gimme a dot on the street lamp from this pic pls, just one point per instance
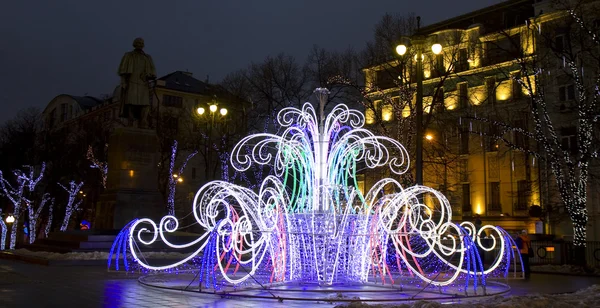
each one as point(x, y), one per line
point(418, 43)
point(215, 119)
point(10, 219)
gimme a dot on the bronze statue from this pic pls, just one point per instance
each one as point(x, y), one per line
point(136, 71)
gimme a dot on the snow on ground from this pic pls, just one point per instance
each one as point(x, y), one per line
point(589, 297)
point(564, 269)
point(95, 255)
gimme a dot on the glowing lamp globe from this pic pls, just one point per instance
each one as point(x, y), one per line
point(401, 49)
point(223, 111)
point(436, 49)
point(213, 108)
point(200, 110)
point(10, 219)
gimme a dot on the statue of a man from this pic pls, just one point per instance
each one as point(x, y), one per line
point(136, 71)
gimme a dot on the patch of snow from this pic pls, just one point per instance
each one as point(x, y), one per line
point(95, 255)
point(589, 297)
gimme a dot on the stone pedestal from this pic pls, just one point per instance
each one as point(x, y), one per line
point(132, 183)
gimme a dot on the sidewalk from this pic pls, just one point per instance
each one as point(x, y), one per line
point(32, 285)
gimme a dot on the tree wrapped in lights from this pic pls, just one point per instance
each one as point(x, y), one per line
point(309, 222)
point(49, 221)
point(3, 235)
point(16, 194)
point(102, 166)
point(175, 176)
point(34, 214)
point(73, 202)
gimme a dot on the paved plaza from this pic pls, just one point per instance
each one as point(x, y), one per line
point(31, 285)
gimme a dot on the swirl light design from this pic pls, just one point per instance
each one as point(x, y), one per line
point(308, 222)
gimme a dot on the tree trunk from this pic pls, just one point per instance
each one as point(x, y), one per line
point(579, 241)
point(14, 231)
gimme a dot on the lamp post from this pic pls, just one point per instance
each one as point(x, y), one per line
point(418, 43)
point(211, 115)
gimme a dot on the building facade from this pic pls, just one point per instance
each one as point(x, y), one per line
point(477, 115)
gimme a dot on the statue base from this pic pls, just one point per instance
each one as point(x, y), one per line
point(132, 182)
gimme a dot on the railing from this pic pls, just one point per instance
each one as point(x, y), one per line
point(562, 252)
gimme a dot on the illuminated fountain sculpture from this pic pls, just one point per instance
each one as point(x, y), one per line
point(309, 223)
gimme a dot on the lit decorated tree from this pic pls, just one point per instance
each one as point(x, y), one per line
point(49, 221)
point(73, 202)
point(102, 166)
point(16, 194)
point(34, 214)
point(175, 176)
point(3, 236)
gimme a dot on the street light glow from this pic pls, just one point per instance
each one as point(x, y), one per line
point(213, 108)
point(179, 180)
point(401, 49)
point(429, 137)
point(10, 219)
point(436, 48)
point(223, 111)
point(175, 175)
point(200, 110)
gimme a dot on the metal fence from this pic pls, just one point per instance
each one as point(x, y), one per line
point(562, 252)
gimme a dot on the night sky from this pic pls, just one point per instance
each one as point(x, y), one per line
point(49, 48)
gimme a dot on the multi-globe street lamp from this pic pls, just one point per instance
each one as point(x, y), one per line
point(211, 116)
point(417, 43)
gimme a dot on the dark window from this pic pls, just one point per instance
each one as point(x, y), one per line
point(490, 86)
point(463, 60)
point(172, 124)
point(438, 100)
point(466, 197)
point(63, 112)
point(522, 194)
point(193, 173)
point(516, 86)
point(559, 43)
point(504, 49)
point(493, 135)
point(386, 79)
point(172, 101)
point(566, 93)
point(439, 65)
point(568, 139)
point(495, 196)
point(52, 118)
point(520, 138)
point(463, 95)
point(464, 142)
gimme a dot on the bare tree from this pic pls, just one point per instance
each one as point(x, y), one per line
point(73, 202)
point(175, 176)
point(102, 166)
point(34, 214)
point(16, 194)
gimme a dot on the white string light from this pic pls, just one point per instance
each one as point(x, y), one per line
point(72, 203)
